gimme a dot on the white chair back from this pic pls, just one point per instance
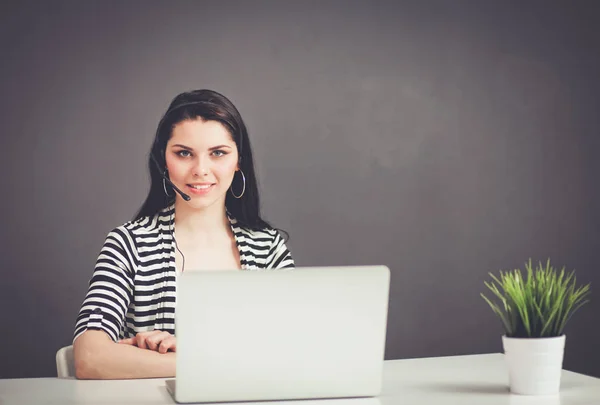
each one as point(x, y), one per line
point(65, 364)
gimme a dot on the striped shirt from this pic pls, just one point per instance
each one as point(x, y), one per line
point(132, 288)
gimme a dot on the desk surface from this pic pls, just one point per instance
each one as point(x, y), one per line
point(476, 379)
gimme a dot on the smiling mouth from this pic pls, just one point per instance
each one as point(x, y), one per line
point(200, 186)
point(200, 189)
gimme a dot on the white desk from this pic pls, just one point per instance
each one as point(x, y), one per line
point(477, 379)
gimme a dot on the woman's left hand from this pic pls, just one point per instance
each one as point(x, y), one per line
point(156, 340)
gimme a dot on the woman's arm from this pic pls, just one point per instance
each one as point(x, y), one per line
point(279, 255)
point(96, 351)
point(97, 356)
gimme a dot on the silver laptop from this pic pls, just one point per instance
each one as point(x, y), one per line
point(303, 333)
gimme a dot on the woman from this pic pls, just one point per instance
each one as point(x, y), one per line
point(202, 212)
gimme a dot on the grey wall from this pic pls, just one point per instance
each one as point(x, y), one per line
point(444, 139)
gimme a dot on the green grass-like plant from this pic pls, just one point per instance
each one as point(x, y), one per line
point(539, 306)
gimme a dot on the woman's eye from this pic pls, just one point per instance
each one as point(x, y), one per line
point(184, 153)
point(219, 153)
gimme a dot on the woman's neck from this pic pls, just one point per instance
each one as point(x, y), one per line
point(192, 221)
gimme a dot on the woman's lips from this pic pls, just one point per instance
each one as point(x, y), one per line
point(199, 189)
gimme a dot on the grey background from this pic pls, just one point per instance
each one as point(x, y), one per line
point(445, 139)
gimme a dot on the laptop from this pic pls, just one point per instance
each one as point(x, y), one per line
point(302, 333)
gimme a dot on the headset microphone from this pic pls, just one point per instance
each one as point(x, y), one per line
point(164, 176)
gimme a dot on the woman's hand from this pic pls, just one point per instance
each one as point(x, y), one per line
point(155, 340)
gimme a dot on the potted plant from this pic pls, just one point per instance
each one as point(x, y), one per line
point(534, 311)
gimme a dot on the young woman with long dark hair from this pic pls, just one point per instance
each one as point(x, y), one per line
point(201, 213)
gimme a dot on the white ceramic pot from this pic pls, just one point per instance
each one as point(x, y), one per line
point(534, 364)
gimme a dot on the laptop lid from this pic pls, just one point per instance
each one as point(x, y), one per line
point(313, 332)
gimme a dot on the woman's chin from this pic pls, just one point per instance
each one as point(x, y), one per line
point(201, 202)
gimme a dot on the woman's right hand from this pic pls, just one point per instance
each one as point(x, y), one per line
point(155, 340)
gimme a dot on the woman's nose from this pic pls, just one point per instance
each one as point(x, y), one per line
point(202, 168)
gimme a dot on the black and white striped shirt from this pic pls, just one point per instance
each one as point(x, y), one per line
point(132, 288)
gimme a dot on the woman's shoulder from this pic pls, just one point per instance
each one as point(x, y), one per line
point(147, 225)
point(264, 233)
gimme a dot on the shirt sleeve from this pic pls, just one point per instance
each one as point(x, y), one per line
point(279, 255)
point(110, 288)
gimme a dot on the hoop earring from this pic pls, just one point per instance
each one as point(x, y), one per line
point(243, 189)
point(165, 186)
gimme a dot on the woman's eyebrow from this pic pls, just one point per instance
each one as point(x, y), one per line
point(211, 149)
point(220, 147)
point(183, 146)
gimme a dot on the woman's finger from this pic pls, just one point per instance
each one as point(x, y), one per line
point(167, 344)
point(153, 341)
point(143, 336)
point(128, 341)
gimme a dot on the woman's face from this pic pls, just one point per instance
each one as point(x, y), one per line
point(202, 159)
